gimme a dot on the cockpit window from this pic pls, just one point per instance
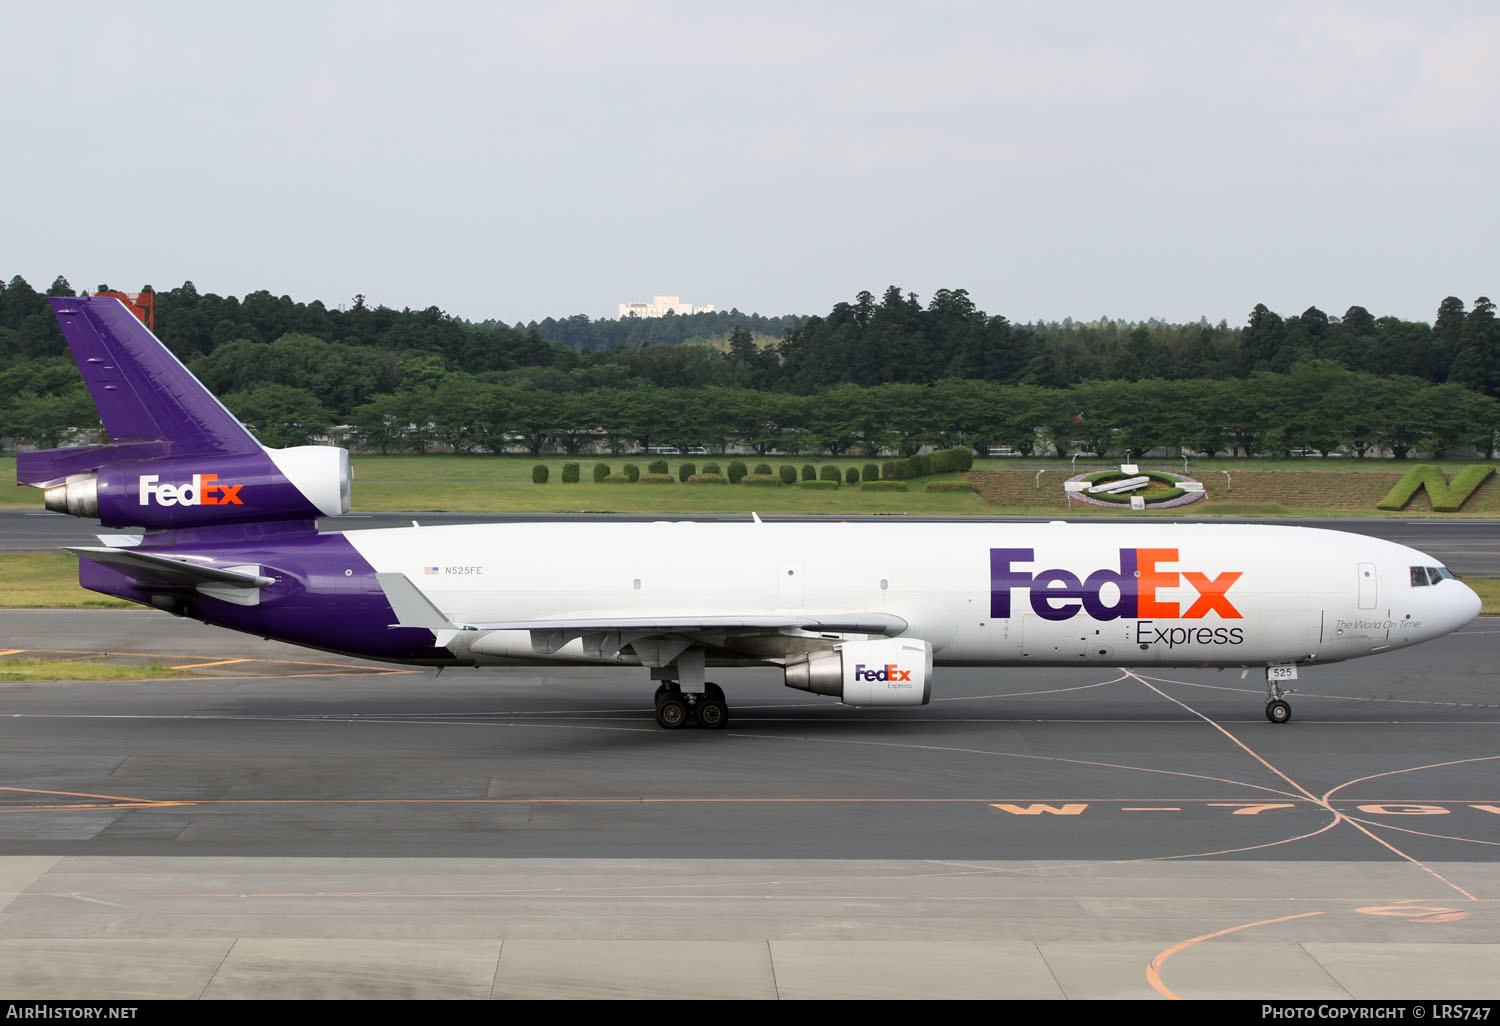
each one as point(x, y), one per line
point(1419, 577)
point(1438, 573)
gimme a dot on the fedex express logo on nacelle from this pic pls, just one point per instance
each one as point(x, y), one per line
point(888, 673)
point(204, 490)
point(1060, 594)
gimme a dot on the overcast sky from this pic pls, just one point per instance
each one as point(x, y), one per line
point(524, 160)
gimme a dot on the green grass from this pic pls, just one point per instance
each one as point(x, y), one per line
point(1488, 590)
point(47, 580)
point(456, 483)
point(12, 669)
point(481, 484)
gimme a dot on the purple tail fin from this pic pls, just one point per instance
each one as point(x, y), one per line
point(143, 392)
point(177, 458)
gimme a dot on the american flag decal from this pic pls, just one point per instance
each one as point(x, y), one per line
point(430, 570)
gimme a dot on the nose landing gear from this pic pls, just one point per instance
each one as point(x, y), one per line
point(1278, 709)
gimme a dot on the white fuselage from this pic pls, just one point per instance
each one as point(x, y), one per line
point(980, 594)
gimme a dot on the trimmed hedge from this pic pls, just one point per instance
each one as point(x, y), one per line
point(763, 469)
point(956, 460)
point(685, 471)
point(823, 483)
point(871, 472)
point(788, 474)
point(830, 473)
point(809, 472)
point(761, 481)
point(1445, 497)
point(601, 471)
point(618, 479)
point(539, 474)
point(656, 467)
point(883, 486)
point(851, 476)
point(737, 472)
point(712, 468)
point(570, 473)
point(633, 472)
point(944, 461)
point(658, 479)
point(708, 479)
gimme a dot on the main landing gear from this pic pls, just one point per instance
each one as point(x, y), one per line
point(677, 708)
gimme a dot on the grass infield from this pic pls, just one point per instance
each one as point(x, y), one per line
point(15, 669)
point(1235, 487)
point(448, 483)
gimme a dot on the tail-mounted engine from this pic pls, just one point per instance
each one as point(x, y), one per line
point(891, 671)
point(273, 484)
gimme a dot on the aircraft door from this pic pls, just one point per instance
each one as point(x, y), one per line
point(1368, 585)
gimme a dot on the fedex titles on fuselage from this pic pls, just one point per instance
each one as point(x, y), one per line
point(1057, 594)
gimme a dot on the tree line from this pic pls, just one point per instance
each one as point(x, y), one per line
point(1316, 406)
point(413, 380)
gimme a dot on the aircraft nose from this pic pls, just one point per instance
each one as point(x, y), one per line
point(1465, 604)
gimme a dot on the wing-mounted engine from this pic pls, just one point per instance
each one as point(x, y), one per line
point(197, 491)
point(884, 672)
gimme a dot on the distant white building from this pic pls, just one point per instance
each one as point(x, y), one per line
point(660, 306)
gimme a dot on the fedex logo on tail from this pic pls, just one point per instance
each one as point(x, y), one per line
point(1142, 576)
point(203, 490)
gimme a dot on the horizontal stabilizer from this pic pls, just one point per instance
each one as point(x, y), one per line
point(169, 569)
point(46, 467)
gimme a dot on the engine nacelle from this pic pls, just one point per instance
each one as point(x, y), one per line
point(197, 491)
point(890, 671)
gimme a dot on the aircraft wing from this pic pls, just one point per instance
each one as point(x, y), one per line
point(414, 609)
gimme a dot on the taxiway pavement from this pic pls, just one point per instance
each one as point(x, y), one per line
point(287, 823)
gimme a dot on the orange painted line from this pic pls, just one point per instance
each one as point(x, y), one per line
point(1321, 801)
point(12, 651)
point(1244, 785)
point(165, 656)
point(197, 666)
point(75, 794)
point(129, 804)
point(1424, 833)
point(1153, 968)
point(1410, 769)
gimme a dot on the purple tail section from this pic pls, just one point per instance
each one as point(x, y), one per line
point(177, 458)
point(142, 391)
